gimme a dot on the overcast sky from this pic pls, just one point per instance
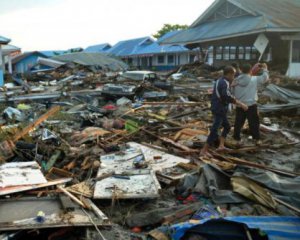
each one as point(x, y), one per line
point(64, 24)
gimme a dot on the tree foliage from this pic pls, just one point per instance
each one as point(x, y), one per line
point(168, 28)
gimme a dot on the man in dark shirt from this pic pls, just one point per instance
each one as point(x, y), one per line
point(221, 98)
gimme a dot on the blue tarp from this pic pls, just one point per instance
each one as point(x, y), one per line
point(277, 228)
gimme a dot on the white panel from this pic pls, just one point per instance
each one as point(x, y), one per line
point(294, 70)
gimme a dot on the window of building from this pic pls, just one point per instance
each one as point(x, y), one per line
point(170, 58)
point(226, 53)
point(254, 53)
point(247, 53)
point(161, 58)
point(241, 52)
point(232, 53)
point(219, 53)
point(192, 57)
point(296, 51)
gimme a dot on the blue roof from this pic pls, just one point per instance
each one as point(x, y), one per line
point(130, 47)
point(4, 40)
point(20, 57)
point(267, 15)
point(51, 53)
point(155, 48)
point(218, 29)
point(98, 48)
point(145, 46)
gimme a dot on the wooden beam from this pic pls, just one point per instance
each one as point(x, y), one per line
point(75, 199)
point(37, 122)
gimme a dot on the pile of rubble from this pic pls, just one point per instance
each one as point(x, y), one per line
point(78, 165)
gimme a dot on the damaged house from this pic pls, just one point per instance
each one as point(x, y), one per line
point(248, 30)
point(24, 62)
point(146, 53)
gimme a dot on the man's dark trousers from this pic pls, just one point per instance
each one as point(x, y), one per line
point(252, 116)
point(220, 119)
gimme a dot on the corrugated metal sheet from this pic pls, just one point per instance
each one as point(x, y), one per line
point(277, 227)
point(280, 13)
point(98, 48)
point(93, 59)
point(4, 40)
point(218, 29)
point(269, 15)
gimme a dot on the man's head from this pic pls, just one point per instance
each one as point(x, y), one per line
point(235, 65)
point(229, 73)
point(246, 68)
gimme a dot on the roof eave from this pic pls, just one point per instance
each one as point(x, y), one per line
point(236, 35)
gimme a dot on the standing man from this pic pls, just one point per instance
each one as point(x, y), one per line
point(221, 98)
point(245, 90)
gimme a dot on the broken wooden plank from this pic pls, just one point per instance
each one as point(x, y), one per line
point(16, 189)
point(56, 173)
point(167, 140)
point(75, 199)
point(37, 122)
point(4, 155)
point(255, 165)
point(96, 210)
point(83, 188)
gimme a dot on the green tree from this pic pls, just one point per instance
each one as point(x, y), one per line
point(168, 28)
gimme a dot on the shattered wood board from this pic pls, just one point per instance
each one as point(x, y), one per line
point(139, 185)
point(16, 189)
point(118, 162)
point(123, 161)
point(20, 173)
point(162, 163)
point(164, 160)
point(16, 214)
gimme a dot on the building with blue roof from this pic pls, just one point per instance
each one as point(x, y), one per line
point(98, 48)
point(146, 53)
point(247, 31)
point(24, 62)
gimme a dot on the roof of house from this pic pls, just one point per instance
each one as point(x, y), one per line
point(7, 49)
point(98, 48)
point(26, 54)
point(51, 53)
point(130, 47)
point(4, 40)
point(92, 59)
point(256, 16)
point(155, 48)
